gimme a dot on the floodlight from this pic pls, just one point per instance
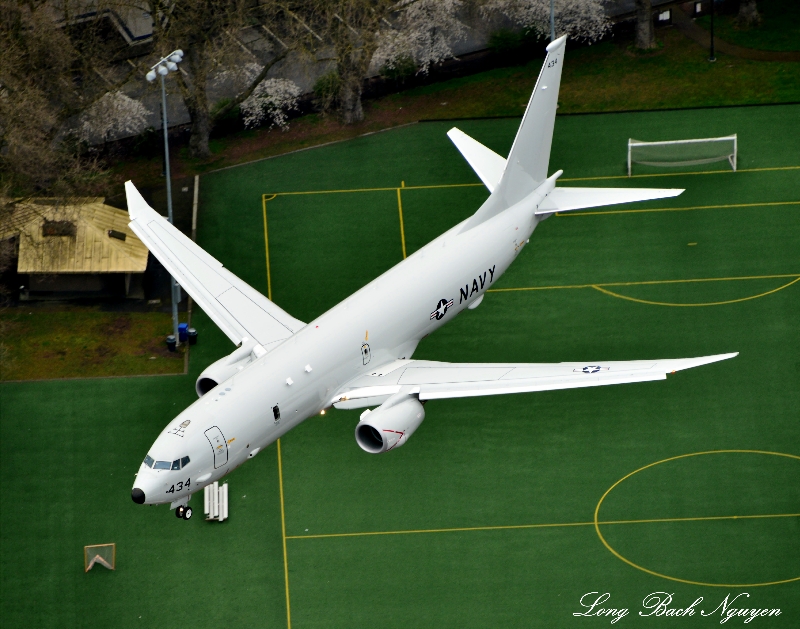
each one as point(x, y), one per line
point(176, 58)
point(162, 70)
point(151, 76)
point(172, 66)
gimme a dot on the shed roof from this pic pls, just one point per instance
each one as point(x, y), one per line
point(97, 240)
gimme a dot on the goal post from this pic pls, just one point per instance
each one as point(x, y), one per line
point(102, 554)
point(683, 152)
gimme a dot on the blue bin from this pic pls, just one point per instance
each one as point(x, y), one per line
point(183, 334)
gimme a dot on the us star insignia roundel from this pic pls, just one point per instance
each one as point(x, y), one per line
point(441, 309)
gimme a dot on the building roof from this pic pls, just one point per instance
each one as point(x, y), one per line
point(85, 236)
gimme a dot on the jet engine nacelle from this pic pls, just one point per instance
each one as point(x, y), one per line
point(228, 366)
point(390, 425)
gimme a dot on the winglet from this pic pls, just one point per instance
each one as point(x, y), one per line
point(137, 206)
point(687, 363)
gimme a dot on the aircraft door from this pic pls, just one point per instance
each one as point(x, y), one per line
point(218, 445)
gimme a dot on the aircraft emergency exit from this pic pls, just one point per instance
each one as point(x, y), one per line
point(359, 353)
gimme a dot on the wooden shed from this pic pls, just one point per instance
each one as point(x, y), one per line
point(82, 247)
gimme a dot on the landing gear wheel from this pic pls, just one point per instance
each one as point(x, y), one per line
point(179, 511)
point(187, 513)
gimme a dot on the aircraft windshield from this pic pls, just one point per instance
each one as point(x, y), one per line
point(180, 463)
point(177, 464)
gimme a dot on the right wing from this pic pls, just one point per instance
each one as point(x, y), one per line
point(433, 380)
point(239, 310)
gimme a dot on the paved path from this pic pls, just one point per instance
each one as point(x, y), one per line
point(688, 27)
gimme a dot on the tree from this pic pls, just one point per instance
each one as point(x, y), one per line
point(271, 99)
point(114, 114)
point(52, 69)
point(207, 31)
point(645, 35)
point(580, 19)
point(748, 14)
point(354, 35)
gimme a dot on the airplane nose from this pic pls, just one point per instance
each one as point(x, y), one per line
point(137, 495)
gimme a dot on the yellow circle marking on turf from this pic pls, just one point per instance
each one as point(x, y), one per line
point(711, 303)
point(664, 576)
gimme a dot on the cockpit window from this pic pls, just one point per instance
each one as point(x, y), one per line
point(148, 461)
point(180, 463)
point(162, 465)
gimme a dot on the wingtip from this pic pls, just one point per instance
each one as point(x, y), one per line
point(704, 360)
point(135, 200)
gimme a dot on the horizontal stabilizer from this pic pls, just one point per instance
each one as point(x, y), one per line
point(567, 199)
point(433, 380)
point(487, 164)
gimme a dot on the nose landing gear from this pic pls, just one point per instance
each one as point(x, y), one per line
point(183, 512)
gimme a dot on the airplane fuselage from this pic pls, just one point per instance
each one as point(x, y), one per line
point(382, 322)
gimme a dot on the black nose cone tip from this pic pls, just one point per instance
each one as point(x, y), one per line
point(137, 495)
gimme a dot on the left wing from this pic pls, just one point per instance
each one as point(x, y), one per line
point(239, 310)
point(434, 380)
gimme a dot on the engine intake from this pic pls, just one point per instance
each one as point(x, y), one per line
point(390, 425)
point(227, 367)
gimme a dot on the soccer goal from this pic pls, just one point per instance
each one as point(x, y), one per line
point(103, 554)
point(682, 152)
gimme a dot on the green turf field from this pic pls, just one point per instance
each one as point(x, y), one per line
point(501, 511)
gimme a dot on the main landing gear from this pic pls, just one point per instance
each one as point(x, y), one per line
point(183, 512)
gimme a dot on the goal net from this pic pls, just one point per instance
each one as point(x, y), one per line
point(682, 152)
point(102, 554)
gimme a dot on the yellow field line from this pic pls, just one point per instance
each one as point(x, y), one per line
point(473, 185)
point(707, 172)
point(448, 185)
point(711, 303)
point(597, 523)
point(649, 282)
point(283, 537)
point(264, 200)
point(402, 228)
point(542, 526)
point(680, 209)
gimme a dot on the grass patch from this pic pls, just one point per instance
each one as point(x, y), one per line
point(70, 342)
point(779, 29)
point(544, 458)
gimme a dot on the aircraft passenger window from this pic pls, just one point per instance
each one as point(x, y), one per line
point(184, 461)
point(176, 464)
point(276, 412)
point(162, 465)
point(148, 461)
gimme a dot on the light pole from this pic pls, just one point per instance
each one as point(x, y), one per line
point(163, 68)
point(552, 20)
point(711, 56)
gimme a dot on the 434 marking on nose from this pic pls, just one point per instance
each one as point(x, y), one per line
point(180, 486)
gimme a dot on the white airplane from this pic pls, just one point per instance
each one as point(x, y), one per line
point(358, 354)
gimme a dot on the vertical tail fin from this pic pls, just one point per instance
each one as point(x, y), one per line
point(526, 166)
